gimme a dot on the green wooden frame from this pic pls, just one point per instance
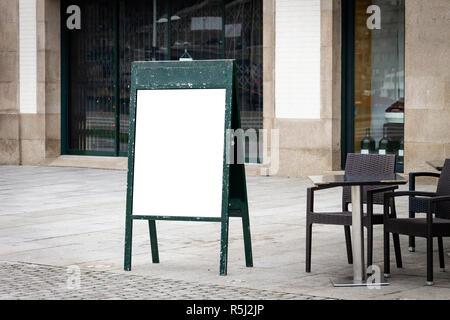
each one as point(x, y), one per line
point(208, 74)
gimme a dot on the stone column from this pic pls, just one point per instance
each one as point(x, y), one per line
point(307, 146)
point(427, 83)
point(330, 85)
point(9, 82)
point(52, 84)
point(32, 113)
point(30, 105)
point(268, 63)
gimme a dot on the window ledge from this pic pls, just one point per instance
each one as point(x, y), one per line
point(93, 162)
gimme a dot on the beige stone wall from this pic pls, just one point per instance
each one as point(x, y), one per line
point(268, 65)
point(52, 79)
point(41, 133)
point(30, 138)
point(427, 83)
point(9, 82)
point(331, 75)
point(308, 146)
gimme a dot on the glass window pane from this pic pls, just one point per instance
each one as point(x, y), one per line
point(379, 77)
point(243, 42)
point(146, 32)
point(196, 26)
point(91, 77)
point(137, 42)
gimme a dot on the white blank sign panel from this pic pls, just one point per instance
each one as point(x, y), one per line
point(179, 150)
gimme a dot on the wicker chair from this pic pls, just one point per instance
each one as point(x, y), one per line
point(419, 205)
point(355, 164)
point(438, 226)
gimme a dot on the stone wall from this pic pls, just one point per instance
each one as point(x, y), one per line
point(9, 82)
point(308, 146)
point(30, 138)
point(52, 78)
point(427, 83)
point(268, 69)
point(41, 132)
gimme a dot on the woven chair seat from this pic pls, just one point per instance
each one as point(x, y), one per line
point(342, 218)
point(418, 226)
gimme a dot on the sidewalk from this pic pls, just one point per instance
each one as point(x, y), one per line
point(52, 218)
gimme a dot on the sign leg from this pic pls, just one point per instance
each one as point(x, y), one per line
point(128, 243)
point(224, 247)
point(153, 240)
point(247, 239)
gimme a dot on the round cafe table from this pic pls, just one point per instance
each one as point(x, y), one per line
point(356, 182)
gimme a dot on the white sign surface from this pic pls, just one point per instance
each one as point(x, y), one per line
point(179, 149)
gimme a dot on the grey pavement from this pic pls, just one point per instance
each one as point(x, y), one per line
point(53, 218)
point(38, 282)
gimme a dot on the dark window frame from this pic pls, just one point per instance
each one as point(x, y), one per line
point(65, 78)
point(348, 79)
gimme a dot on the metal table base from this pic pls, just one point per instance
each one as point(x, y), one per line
point(349, 282)
point(359, 265)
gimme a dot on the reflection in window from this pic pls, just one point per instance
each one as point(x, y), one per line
point(243, 42)
point(91, 110)
point(137, 42)
point(153, 30)
point(379, 79)
point(196, 26)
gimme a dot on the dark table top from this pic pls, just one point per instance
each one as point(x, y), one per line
point(355, 180)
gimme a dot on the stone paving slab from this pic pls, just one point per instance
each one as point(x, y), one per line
point(25, 281)
point(72, 216)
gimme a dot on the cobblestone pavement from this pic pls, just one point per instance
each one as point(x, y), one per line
point(28, 281)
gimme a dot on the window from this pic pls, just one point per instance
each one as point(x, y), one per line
point(97, 60)
point(374, 77)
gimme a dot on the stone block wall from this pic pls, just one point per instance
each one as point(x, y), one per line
point(427, 83)
point(30, 138)
point(9, 83)
point(308, 146)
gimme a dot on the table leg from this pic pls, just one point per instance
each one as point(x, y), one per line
point(359, 265)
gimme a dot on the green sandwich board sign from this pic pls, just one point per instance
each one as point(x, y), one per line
point(179, 168)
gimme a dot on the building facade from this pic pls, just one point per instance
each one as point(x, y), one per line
point(331, 76)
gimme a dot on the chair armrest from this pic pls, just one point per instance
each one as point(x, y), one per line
point(381, 189)
point(413, 175)
point(430, 203)
point(413, 193)
point(310, 199)
point(310, 196)
point(438, 199)
point(390, 195)
point(424, 174)
point(370, 194)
